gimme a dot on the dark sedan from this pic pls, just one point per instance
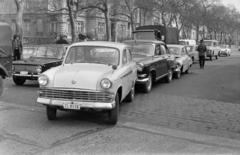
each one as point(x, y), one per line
point(35, 60)
point(152, 61)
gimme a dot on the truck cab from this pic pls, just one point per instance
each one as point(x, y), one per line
point(5, 52)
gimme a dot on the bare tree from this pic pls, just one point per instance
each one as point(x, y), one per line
point(19, 17)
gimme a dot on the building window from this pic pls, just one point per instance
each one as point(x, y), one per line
point(39, 25)
point(53, 27)
point(101, 26)
point(27, 26)
point(80, 27)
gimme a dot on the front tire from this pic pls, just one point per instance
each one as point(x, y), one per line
point(113, 114)
point(148, 86)
point(216, 57)
point(178, 75)
point(169, 76)
point(18, 80)
point(51, 113)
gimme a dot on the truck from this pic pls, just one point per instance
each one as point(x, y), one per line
point(5, 52)
point(168, 35)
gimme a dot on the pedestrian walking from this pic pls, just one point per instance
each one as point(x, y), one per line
point(202, 49)
point(17, 47)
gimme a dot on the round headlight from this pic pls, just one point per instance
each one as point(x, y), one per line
point(39, 69)
point(106, 83)
point(140, 67)
point(43, 80)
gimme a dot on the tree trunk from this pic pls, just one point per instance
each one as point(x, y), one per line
point(197, 32)
point(72, 20)
point(108, 30)
point(132, 26)
point(19, 17)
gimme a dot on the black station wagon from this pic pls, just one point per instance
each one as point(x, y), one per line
point(35, 60)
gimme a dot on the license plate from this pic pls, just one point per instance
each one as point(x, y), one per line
point(71, 106)
point(24, 72)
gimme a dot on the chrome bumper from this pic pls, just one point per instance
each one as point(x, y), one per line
point(27, 75)
point(142, 81)
point(94, 105)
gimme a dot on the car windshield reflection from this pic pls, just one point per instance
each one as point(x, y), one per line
point(174, 50)
point(43, 52)
point(92, 54)
point(142, 49)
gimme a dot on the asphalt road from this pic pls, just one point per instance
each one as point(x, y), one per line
point(205, 102)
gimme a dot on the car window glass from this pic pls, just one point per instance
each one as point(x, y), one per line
point(163, 50)
point(158, 50)
point(124, 58)
point(129, 56)
point(183, 51)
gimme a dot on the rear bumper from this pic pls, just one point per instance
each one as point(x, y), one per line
point(60, 103)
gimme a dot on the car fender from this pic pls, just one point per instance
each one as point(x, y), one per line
point(3, 71)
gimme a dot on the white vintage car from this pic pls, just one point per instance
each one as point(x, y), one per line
point(94, 75)
point(184, 62)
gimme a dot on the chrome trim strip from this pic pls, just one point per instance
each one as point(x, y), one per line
point(95, 105)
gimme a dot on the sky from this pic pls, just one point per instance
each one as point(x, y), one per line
point(235, 3)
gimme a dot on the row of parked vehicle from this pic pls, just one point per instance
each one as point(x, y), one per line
point(98, 75)
point(214, 50)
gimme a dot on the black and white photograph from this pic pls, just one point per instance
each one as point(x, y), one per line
point(124, 77)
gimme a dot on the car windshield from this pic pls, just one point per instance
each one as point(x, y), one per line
point(143, 49)
point(175, 50)
point(93, 54)
point(43, 52)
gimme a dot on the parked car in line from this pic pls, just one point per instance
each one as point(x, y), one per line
point(94, 75)
point(224, 51)
point(152, 62)
point(190, 42)
point(192, 52)
point(35, 60)
point(182, 57)
point(5, 52)
point(212, 48)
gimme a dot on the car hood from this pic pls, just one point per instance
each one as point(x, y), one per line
point(80, 76)
point(143, 59)
point(35, 61)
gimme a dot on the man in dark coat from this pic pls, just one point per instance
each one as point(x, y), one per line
point(202, 49)
point(17, 47)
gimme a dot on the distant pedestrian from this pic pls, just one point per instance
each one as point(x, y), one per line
point(62, 40)
point(202, 49)
point(17, 47)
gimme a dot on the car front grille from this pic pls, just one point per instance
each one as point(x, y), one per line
point(18, 68)
point(79, 95)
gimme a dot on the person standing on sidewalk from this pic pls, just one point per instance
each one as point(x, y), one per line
point(202, 49)
point(17, 47)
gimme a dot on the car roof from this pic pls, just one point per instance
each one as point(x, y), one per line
point(175, 45)
point(100, 43)
point(144, 41)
